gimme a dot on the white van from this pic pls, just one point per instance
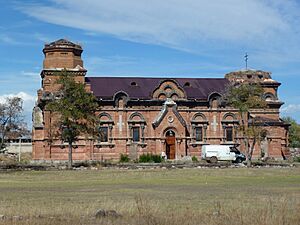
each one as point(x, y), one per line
point(214, 153)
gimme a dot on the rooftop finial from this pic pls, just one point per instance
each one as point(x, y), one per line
point(246, 60)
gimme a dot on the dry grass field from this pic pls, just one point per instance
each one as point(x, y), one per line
point(153, 197)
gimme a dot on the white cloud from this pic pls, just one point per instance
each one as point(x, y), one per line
point(28, 100)
point(177, 23)
point(28, 104)
point(4, 38)
point(31, 75)
point(291, 108)
point(112, 60)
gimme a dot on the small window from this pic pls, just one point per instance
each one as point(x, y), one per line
point(174, 97)
point(187, 84)
point(269, 99)
point(229, 134)
point(162, 97)
point(136, 134)
point(133, 83)
point(199, 134)
point(103, 134)
point(64, 53)
point(168, 89)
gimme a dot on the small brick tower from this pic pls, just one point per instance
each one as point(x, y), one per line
point(59, 55)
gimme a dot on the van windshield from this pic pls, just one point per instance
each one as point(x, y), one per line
point(235, 150)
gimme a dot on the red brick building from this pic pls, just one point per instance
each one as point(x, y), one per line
point(153, 115)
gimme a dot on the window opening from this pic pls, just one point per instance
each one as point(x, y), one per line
point(135, 134)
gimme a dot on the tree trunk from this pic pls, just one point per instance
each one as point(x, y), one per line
point(70, 160)
point(247, 150)
point(2, 144)
point(252, 147)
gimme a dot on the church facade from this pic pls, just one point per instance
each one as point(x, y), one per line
point(139, 115)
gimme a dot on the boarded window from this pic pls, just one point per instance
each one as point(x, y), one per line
point(198, 134)
point(229, 134)
point(103, 134)
point(136, 134)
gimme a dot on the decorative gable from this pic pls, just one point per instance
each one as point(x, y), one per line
point(169, 103)
point(169, 89)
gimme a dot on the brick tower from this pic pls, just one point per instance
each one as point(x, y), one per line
point(59, 55)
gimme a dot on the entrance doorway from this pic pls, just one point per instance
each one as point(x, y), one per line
point(170, 144)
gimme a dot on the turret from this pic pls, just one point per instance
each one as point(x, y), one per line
point(62, 54)
point(59, 55)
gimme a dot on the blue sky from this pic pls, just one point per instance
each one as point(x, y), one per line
point(170, 38)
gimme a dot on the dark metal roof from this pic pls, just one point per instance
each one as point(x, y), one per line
point(62, 43)
point(199, 88)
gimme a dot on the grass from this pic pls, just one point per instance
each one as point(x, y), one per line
point(181, 196)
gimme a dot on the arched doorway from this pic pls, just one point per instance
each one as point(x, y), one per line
point(170, 144)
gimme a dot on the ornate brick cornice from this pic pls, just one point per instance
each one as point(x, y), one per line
point(56, 72)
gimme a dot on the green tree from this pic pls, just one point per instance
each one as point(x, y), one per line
point(75, 111)
point(12, 123)
point(244, 97)
point(294, 132)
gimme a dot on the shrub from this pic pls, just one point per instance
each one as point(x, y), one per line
point(157, 158)
point(297, 159)
point(195, 159)
point(124, 158)
point(145, 158)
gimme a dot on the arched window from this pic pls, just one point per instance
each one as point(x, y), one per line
point(269, 97)
point(174, 97)
point(162, 96)
point(120, 98)
point(105, 128)
point(187, 84)
point(133, 83)
point(229, 124)
point(136, 124)
point(199, 126)
point(214, 100)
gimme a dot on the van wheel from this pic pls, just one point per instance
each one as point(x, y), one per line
point(238, 160)
point(213, 159)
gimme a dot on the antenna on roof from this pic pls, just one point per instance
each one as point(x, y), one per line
point(246, 60)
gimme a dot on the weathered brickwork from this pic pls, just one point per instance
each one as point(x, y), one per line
point(153, 115)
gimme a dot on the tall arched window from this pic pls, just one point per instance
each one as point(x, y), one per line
point(229, 124)
point(199, 126)
point(105, 128)
point(136, 124)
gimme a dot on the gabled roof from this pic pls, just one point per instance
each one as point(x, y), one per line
point(142, 88)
